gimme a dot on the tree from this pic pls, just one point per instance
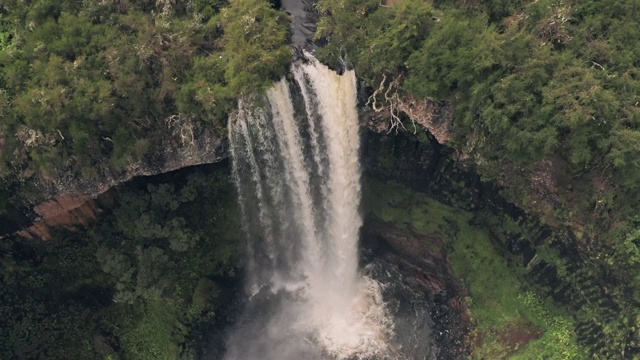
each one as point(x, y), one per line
point(256, 43)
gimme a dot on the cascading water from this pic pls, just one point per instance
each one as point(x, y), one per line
point(296, 167)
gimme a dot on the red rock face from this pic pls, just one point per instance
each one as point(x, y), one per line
point(65, 211)
point(433, 116)
point(60, 205)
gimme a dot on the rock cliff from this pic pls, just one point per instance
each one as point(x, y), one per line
point(66, 197)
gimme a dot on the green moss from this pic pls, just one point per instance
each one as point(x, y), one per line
point(498, 300)
point(558, 341)
point(397, 204)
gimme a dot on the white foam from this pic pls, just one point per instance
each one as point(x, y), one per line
point(311, 193)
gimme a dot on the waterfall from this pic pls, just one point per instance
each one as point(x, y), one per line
point(296, 167)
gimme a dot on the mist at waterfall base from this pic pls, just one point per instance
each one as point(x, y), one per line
point(296, 167)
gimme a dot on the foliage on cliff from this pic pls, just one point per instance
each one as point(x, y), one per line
point(529, 80)
point(135, 285)
point(512, 321)
point(86, 86)
point(546, 102)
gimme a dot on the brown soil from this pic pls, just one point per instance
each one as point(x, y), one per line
point(517, 337)
point(514, 337)
point(64, 211)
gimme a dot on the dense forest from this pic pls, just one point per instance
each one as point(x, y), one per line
point(529, 81)
point(138, 284)
point(86, 86)
point(90, 86)
point(545, 88)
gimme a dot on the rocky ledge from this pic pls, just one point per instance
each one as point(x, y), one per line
point(67, 198)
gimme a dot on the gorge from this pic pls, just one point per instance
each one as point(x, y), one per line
point(466, 188)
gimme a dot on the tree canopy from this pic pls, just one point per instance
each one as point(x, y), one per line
point(529, 80)
point(137, 284)
point(85, 86)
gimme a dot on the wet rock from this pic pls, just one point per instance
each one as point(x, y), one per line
point(423, 263)
point(304, 19)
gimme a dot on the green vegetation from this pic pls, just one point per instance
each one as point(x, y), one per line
point(255, 44)
point(376, 40)
point(5, 34)
point(598, 288)
point(89, 86)
point(541, 90)
point(601, 292)
point(135, 285)
point(529, 81)
point(501, 302)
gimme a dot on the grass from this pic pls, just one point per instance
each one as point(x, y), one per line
point(499, 303)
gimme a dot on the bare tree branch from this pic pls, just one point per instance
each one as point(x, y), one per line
point(391, 102)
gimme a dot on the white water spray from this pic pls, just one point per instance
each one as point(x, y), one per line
point(296, 167)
